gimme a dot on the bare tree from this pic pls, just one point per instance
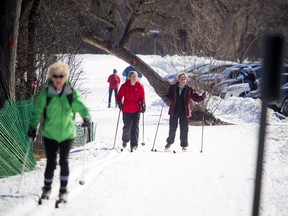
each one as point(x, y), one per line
point(9, 24)
point(47, 29)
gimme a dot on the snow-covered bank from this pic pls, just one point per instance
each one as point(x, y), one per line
point(219, 181)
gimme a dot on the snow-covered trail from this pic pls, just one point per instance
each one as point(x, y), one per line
point(219, 181)
point(157, 183)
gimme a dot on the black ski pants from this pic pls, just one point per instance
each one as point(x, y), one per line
point(184, 128)
point(110, 94)
point(131, 128)
point(51, 150)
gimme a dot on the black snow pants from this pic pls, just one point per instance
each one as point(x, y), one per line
point(110, 94)
point(51, 150)
point(173, 124)
point(131, 128)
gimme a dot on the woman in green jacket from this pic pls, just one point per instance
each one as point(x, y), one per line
point(58, 103)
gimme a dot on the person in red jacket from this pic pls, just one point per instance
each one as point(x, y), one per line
point(178, 97)
point(114, 81)
point(132, 104)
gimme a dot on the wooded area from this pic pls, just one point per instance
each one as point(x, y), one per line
point(223, 29)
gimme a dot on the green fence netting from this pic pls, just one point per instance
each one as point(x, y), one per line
point(14, 120)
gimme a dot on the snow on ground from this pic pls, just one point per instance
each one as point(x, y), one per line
point(219, 181)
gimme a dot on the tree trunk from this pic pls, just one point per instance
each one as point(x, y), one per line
point(159, 84)
point(9, 25)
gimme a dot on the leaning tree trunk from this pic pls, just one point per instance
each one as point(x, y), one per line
point(159, 84)
point(9, 24)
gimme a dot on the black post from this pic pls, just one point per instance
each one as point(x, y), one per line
point(272, 68)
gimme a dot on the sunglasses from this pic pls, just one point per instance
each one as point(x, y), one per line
point(58, 76)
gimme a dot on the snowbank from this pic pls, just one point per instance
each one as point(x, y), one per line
point(240, 110)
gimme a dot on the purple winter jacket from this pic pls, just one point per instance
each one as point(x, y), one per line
point(190, 93)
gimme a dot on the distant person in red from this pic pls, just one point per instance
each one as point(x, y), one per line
point(114, 81)
point(131, 100)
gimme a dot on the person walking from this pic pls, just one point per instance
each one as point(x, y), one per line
point(131, 100)
point(114, 81)
point(178, 97)
point(57, 103)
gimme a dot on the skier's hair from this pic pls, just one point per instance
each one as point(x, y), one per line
point(182, 74)
point(58, 66)
point(132, 72)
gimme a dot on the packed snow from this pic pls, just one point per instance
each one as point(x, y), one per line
point(219, 181)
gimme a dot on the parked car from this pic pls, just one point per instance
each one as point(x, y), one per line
point(172, 78)
point(199, 70)
point(283, 102)
point(195, 68)
point(235, 87)
point(280, 105)
point(229, 73)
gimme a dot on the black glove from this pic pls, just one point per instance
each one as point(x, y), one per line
point(86, 123)
point(31, 133)
point(204, 95)
point(143, 107)
point(120, 105)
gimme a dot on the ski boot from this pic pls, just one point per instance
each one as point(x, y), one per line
point(184, 149)
point(167, 148)
point(134, 148)
point(46, 192)
point(63, 196)
point(124, 145)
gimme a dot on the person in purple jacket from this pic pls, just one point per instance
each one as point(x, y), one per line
point(178, 97)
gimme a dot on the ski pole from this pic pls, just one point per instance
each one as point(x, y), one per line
point(143, 143)
point(116, 129)
point(30, 142)
point(82, 182)
point(157, 127)
point(203, 121)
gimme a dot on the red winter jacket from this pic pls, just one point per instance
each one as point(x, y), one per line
point(114, 81)
point(190, 93)
point(133, 97)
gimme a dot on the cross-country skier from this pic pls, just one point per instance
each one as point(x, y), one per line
point(57, 103)
point(114, 81)
point(134, 103)
point(178, 97)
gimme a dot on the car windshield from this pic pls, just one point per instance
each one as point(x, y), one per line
point(209, 68)
point(195, 68)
